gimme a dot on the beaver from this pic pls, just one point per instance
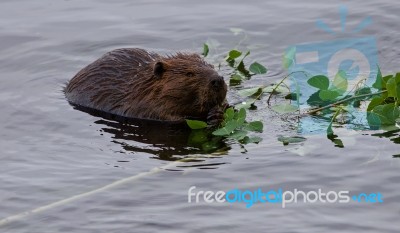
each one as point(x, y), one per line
point(134, 83)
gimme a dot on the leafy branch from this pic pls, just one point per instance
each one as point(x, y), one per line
point(352, 98)
point(234, 126)
point(331, 95)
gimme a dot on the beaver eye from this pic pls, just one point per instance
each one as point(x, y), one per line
point(190, 74)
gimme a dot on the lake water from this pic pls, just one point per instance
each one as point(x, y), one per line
point(59, 165)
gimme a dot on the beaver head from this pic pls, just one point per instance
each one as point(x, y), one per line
point(190, 83)
point(176, 87)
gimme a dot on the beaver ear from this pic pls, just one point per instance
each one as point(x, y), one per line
point(159, 69)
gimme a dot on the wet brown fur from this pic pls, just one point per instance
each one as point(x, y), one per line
point(137, 84)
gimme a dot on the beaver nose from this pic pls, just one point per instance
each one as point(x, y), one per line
point(217, 82)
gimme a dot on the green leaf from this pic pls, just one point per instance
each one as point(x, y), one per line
point(257, 68)
point(231, 62)
point(227, 129)
point(392, 112)
point(285, 108)
point(379, 81)
point(194, 124)
point(319, 81)
point(205, 50)
point(328, 95)
point(240, 117)
point(247, 140)
point(256, 126)
point(233, 54)
point(288, 57)
point(250, 91)
point(243, 69)
point(374, 120)
point(229, 114)
point(197, 137)
point(375, 102)
point(237, 77)
point(385, 79)
point(238, 134)
point(315, 100)
point(340, 82)
point(334, 138)
point(393, 87)
point(387, 113)
point(232, 124)
point(329, 130)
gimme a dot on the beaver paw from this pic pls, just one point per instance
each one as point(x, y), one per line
point(215, 116)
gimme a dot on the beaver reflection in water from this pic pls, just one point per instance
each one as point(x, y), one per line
point(134, 83)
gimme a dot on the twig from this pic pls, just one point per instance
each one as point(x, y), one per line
point(342, 101)
point(278, 84)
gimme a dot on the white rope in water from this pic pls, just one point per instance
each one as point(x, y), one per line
point(38, 210)
point(82, 195)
